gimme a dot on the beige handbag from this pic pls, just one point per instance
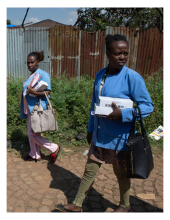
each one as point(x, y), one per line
point(43, 120)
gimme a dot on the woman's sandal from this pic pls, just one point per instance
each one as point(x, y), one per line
point(29, 158)
point(37, 160)
point(55, 156)
point(61, 208)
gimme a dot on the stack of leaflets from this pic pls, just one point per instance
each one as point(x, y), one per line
point(105, 105)
point(36, 77)
point(41, 86)
point(157, 133)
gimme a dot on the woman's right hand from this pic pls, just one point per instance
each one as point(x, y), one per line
point(116, 114)
point(89, 137)
point(31, 90)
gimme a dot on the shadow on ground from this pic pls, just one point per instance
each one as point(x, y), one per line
point(68, 183)
point(19, 141)
point(139, 205)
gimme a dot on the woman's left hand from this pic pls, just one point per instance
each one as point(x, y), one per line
point(116, 114)
point(31, 90)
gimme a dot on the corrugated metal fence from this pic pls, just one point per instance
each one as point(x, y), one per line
point(92, 52)
point(64, 50)
point(149, 51)
point(75, 53)
point(19, 44)
point(15, 64)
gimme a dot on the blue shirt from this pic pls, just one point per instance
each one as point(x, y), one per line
point(127, 84)
point(32, 100)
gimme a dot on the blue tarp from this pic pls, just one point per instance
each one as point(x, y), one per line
point(11, 25)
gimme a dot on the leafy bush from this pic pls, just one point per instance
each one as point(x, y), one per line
point(14, 90)
point(154, 85)
point(71, 100)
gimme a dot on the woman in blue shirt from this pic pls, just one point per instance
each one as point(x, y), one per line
point(28, 101)
point(108, 135)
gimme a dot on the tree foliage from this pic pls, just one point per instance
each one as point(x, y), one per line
point(8, 22)
point(93, 19)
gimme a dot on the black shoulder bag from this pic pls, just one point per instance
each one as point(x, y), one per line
point(139, 154)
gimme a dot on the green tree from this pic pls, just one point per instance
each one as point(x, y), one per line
point(8, 22)
point(92, 19)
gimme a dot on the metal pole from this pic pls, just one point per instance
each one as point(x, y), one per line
point(22, 25)
point(78, 74)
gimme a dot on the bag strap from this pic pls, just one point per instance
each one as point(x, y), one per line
point(132, 130)
point(39, 99)
point(36, 104)
point(48, 100)
point(103, 81)
point(141, 123)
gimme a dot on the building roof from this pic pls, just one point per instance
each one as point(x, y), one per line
point(45, 23)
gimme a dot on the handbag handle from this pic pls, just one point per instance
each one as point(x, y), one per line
point(132, 131)
point(141, 123)
point(40, 108)
point(48, 100)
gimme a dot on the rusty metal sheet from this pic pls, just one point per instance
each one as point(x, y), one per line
point(64, 50)
point(157, 51)
point(92, 52)
point(149, 51)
